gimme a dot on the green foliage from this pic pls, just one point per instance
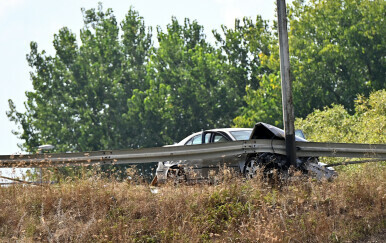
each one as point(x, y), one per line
point(116, 90)
point(337, 51)
point(80, 94)
point(243, 48)
point(251, 58)
point(263, 104)
point(335, 124)
point(186, 92)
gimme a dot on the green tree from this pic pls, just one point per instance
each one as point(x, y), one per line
point(243, 47)
point(252, 63)
point(187, 92)
point(335, 124)
point(80, 94)
point(337, 50)
point(116, 90)
point(263, 104)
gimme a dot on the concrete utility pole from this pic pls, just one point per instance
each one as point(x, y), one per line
point(286, 85)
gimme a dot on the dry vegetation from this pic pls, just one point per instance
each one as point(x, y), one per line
point(98, 210)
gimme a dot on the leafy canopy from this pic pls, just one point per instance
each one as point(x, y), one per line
point(335, 124)
point(115, 89)
point(80, 94)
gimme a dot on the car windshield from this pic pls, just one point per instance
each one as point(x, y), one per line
point(241, 135)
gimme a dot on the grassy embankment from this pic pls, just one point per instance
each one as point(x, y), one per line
point(96, 210)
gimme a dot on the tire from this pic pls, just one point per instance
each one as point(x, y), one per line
point(176, 175)
point(266, 163)
point(251, 167)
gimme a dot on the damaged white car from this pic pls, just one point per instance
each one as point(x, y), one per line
point(247, 164)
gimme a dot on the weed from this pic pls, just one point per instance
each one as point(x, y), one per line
point(99, 209)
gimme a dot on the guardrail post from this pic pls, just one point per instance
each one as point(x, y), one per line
point(286, 89)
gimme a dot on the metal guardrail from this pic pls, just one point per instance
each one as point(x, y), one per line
point(315, 149)
point(130, 156)
point(193, 152)
point(18, 181)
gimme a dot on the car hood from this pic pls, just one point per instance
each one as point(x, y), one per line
point(263, 130)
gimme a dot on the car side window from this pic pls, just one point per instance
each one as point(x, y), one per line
point(218, 138)
point(197, 139)
point(207, 137)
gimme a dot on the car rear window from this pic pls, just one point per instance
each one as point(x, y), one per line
point(241, 135)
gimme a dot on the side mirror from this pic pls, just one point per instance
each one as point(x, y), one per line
point(300, 133)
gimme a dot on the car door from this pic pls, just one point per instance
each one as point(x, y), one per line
point(193, 167)
point(201, 168)
point(229, 161)
point(213, 164)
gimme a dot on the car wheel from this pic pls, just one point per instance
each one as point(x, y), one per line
point(176, 175)
point(251, 167)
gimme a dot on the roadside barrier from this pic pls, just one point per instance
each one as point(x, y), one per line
point(192, 152)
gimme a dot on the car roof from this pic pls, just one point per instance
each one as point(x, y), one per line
point(233, 129)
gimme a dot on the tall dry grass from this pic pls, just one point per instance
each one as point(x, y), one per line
point(234, 210)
